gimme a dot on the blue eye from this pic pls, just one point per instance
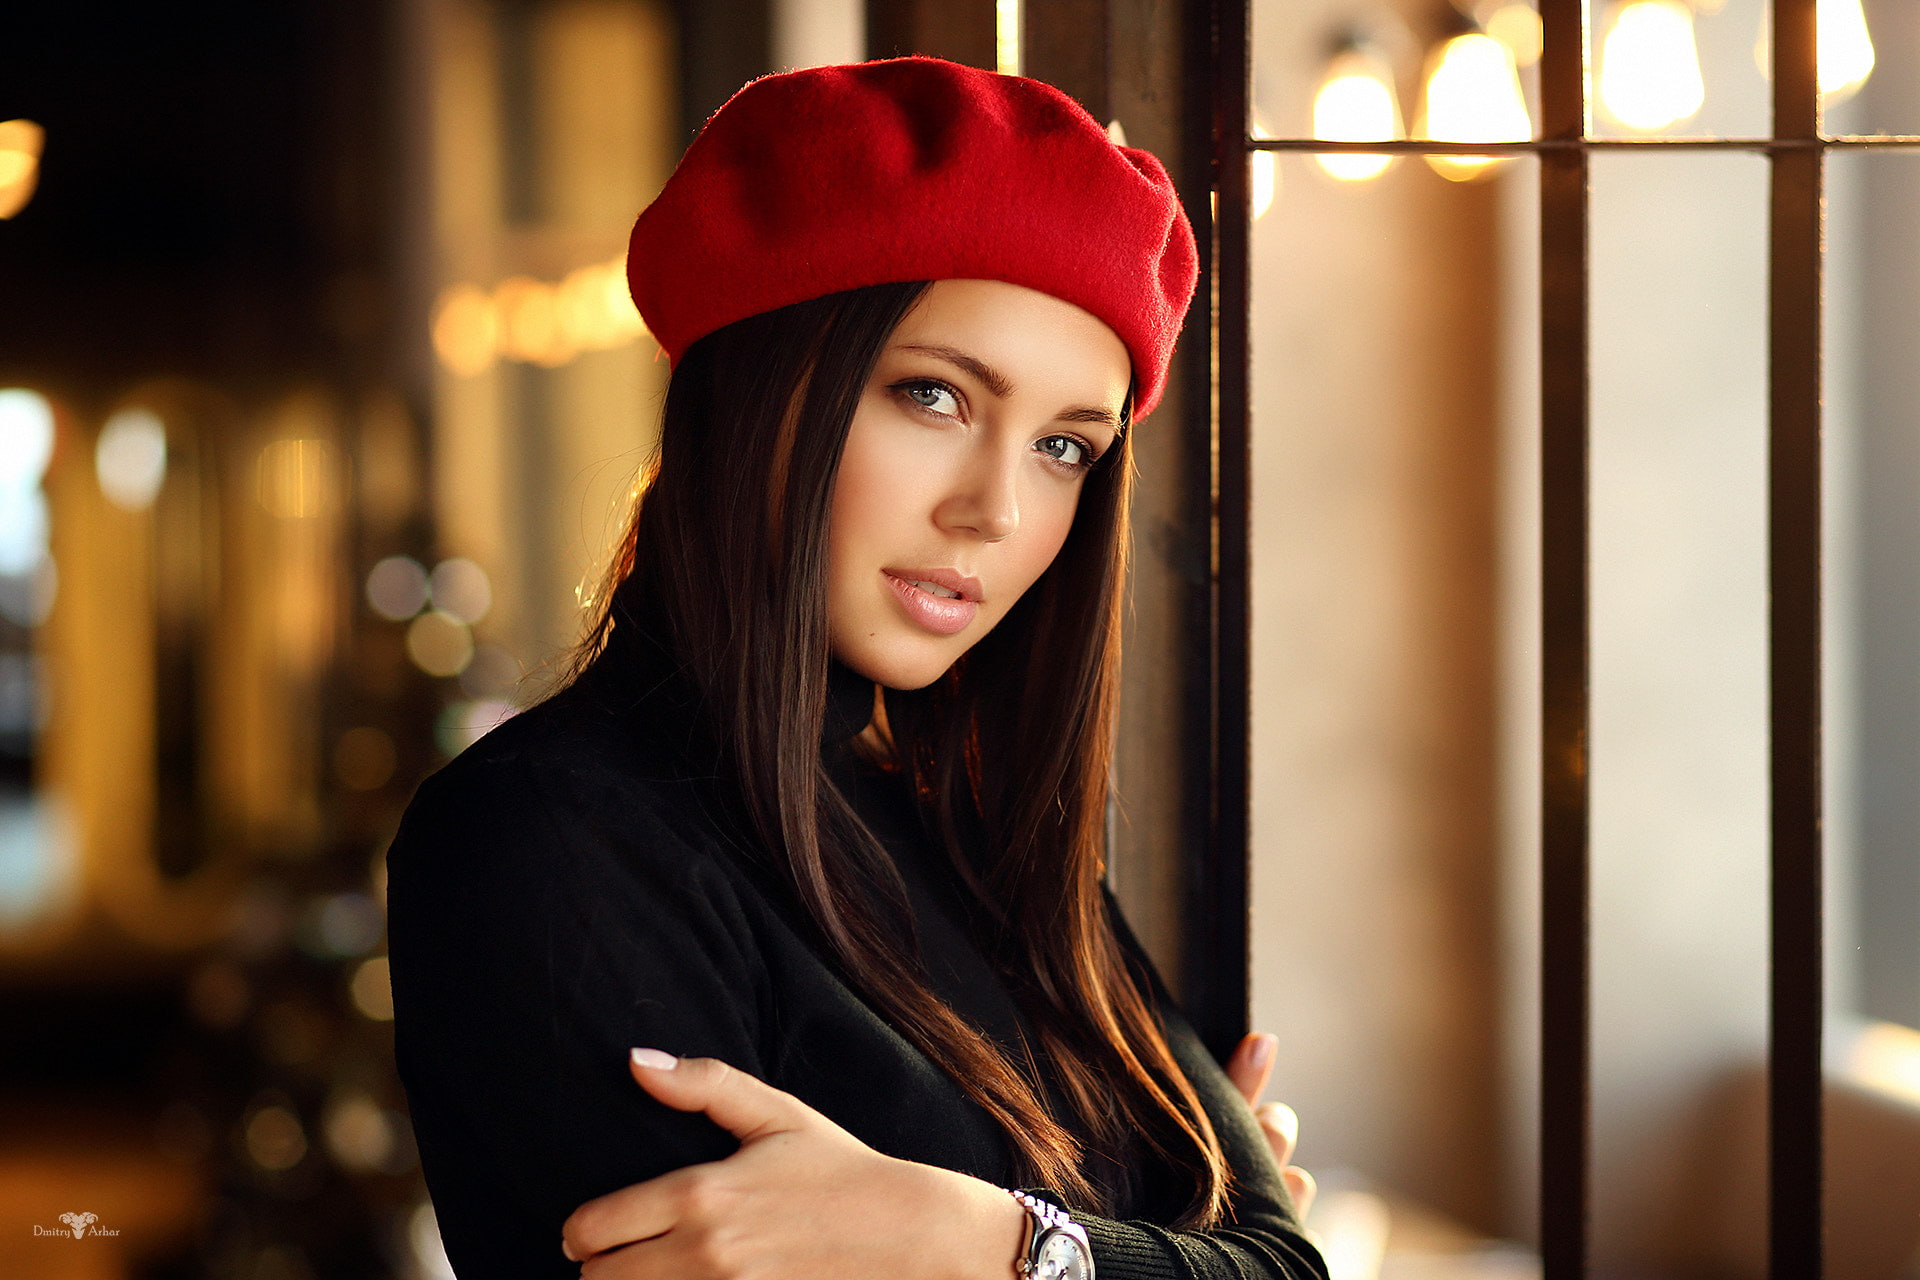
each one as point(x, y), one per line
point(1071, 450)
point(934, 397)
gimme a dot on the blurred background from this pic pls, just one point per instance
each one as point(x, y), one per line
point(321, 399)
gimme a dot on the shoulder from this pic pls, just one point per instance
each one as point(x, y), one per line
point(569, 795)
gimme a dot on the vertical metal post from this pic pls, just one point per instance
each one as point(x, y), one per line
point(1795, 1169)
point(1217, 939)
point(1564, 1031)
point(1065, 43)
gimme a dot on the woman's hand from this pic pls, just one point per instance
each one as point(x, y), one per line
point(801, 1198)
point(1248, 1068)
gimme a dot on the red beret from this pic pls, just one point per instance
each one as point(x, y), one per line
point(831, 178)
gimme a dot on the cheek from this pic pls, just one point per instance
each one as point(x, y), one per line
point(1048, 518)
point(866, 494)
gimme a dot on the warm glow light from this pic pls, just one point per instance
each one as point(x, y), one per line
point(1517, 26)
point(296, 478)
point(460, 587)
point(530, 327)
point(1650, 66)
point(1473, 95)
point(1263, 171)
point(531, 320)
point(1846, 50)
point(1356, 104)
point(21, 142)
point(275, 1139)
point(372, 989)
point(1265, 181)
point(130, 458)
point(1886, 1057)
point(358, 1133)
point(26, 438)
point(397, 588)
point(465, 723)
point(593, 308)
point(1006, 37)
point(466, 330)
point(439, 643)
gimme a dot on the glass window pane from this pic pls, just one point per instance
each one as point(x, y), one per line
point(1379, 318)
point(1873, 284)
point(1873, 718)
point(1679, 739)
point(1680, 68)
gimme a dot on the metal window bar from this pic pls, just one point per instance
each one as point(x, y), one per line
point(1797, 152)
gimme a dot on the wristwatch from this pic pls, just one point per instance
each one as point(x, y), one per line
point(1057, 1247)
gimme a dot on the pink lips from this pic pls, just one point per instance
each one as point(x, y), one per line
point(942, 615)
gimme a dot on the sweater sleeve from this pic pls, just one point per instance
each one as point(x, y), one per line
point(1261, 1240)
point(542, 921)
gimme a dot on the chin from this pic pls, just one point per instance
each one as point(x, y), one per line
point(885, 665)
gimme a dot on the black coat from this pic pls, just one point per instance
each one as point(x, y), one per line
point(562, 892)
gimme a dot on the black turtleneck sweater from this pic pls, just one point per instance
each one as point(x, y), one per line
point(564, 890)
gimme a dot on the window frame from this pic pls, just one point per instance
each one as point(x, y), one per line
point(1796, 150)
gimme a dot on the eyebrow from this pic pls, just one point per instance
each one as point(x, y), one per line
point(1002, 386)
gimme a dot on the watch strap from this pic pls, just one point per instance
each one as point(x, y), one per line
point(1044, 1216)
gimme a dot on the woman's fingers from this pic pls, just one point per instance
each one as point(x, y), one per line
point(1251, 1064)
point(637, 1212)
point(1282, 1127)
point(744, 1106)
point(1302, 1187)
point(748, 1108)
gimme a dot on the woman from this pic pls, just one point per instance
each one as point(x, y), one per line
point(778, 936)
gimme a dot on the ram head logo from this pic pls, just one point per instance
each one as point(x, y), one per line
point(79, 1222)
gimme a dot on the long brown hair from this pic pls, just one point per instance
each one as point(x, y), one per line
point(726, 554)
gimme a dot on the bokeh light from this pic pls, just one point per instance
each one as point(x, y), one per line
point(338, 926)
point(130, 458)
point(460, 587)
point(1473, 95)
point(1355, 103)
point(465, 723)
point(275, 1138)
point(466, 330)
point(492, 674)
point(372, 989)
point(358, 1133)
point(1517, 26)
point(534, 321)
point(1650, 66)
point(439, 643)
point(39, 864)
point(21, 142)
point(23, 531)
point(397, 588)
point(27, 598)
point(530, 328)
point(26, 438)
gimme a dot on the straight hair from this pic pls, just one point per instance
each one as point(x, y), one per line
point(725, 558)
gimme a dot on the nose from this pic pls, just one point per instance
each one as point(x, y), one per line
point(984, 499)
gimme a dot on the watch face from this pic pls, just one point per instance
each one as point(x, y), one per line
point(1062, 1257)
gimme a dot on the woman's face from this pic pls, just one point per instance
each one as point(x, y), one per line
point(962, 470)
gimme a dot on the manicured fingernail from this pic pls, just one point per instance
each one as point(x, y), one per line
point(1263, 1047)
point(567, 1249)
point(656, 1059)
